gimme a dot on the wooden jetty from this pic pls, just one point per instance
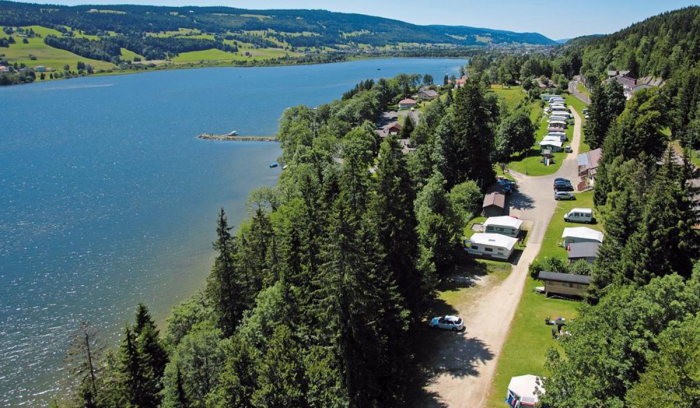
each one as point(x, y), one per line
point(230, 138)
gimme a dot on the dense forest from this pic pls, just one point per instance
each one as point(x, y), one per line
point(326, 28)
point(315, 299)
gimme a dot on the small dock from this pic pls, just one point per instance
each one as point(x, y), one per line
point(230, 138)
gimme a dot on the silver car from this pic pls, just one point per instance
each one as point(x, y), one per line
point(453, 323)
point(564, 195)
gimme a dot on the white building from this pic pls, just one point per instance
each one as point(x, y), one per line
point(504, 225)
point(492, 245)
point(581, 234)
point(553, 145)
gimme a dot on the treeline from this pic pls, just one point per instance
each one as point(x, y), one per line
point(315, 300)
point(152, 48)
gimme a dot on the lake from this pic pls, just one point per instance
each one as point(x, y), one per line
point(107, 198)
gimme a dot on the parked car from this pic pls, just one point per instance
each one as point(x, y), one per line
point(564, 195)
point(561, 179)
point(453, 323)
point(568, 149)
point(508, 185)
point(563, 187)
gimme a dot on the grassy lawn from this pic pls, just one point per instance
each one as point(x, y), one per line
point(528, 340)
point(550, 244)
point(46, 56)
point(468, 229)
point(529, 162)
point(512, 95)
point(579, 106)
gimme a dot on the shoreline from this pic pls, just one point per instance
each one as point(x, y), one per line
point(230, 138)
point(214, 64)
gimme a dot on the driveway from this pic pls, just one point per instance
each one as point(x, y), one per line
point(465, 363)
point(573, 89)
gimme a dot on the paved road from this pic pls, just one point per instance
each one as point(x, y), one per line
point(465, 363)
point(573, 89)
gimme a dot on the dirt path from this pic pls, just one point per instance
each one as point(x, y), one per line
point(464, 364)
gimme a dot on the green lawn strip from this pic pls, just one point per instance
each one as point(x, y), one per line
point(528, 340)
point(551, 247)
point(582, 89)
point(579, 106)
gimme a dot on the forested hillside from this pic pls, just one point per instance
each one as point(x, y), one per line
point(298, 28)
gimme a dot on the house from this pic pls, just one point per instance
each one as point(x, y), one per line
point(552, 145)
point(460, 82)
point(393, 129)
point(427, 94)
point(524, 391)
point(587, 251)
point(504, 225)
point(614, 73)
point(588, 166)
point(492, 245)
point(564, 284)
point(581, 234)
point(40, 68)
point(407, 103)
point(494, 204)
point(4, 69)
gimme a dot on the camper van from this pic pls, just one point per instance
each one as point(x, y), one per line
point(562, 113)
point(584, 215)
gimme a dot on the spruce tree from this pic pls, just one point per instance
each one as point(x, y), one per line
point(133, 373)
point(224, 286)
point(466, 145)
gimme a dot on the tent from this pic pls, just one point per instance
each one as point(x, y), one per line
point(522, 391)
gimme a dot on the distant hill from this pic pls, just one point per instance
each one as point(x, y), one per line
point(564, 41)
point(292, 28)
point(658, 46)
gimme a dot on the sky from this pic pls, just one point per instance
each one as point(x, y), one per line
point(556, 20)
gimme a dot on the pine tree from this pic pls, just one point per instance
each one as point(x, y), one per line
point(181, 398)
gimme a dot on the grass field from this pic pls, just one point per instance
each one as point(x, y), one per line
point(130, 55)
point(529, 339)
point(579, 106)
point(511, 95)
point(206, 55)
point(45, 55)
point(550, 244)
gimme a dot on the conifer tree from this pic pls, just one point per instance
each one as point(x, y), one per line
point(395, 222)
point(466, 144)
point(224, 286)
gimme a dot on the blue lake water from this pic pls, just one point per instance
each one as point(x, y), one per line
point(108, 199)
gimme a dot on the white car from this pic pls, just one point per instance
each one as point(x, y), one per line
point(453, 323)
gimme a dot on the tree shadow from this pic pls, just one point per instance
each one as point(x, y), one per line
point(520, 201)
point(452, 354)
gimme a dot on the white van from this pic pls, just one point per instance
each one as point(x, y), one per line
point(584, 215)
